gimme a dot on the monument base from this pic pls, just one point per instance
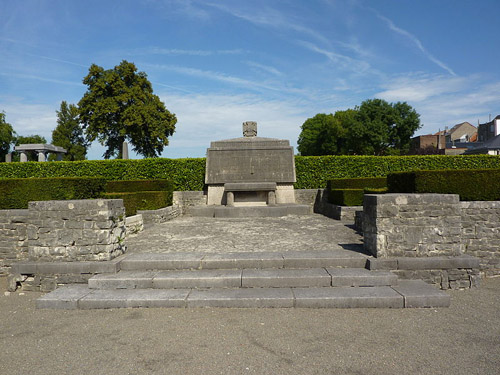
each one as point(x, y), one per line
point(251, 211)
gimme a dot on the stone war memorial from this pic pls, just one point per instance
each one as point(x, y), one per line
point(250, 176)
point(396, 251)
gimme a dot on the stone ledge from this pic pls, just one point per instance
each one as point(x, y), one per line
point(424, 263)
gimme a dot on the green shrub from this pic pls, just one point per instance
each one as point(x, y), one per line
point(16, 193)
point(346, 197)
point(142, 200)
point(357, 183)
point(129, 186)
point(471, 185)
point(376, 190)
point(312, 172)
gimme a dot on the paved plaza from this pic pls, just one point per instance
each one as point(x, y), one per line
point(265, 234)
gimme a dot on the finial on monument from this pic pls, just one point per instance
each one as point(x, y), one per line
point(249, 129)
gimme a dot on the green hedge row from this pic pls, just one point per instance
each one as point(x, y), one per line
point(471, 185)
point(142, 200)
point(346, 197)
point(357, 183)
point(16, 193)
point(130, 186)
point(188, 174)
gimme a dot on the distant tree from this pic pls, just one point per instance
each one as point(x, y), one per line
point(30, 139)
point(7, 137)
point(120, 105)
point(69, 133)
point(376, 127)
point(321, 135)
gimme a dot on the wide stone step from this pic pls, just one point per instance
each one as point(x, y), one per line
point(246, 278)
point(407, 294)
point(292, 259)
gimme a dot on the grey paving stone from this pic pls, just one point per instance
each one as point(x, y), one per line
point(202, 211)
point(298, 209)
point(65, 297)
point(121, 298)
point(123, 280)
point(361, 277)
point(243, 260)
point(382, 263)
point(418, 293)
point(318, 259)
point(198, 279)
point(437, 263)
point(285, 277)
point(254, 297)
point(348, 297)
point(246, 212)
point(161, 261)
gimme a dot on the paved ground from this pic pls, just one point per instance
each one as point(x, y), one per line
point(289, 233)
point(462, 339)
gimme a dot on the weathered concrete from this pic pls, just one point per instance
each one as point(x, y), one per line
point(212, 235)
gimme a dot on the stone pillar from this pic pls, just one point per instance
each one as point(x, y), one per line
point(23, 157)
point(42, 156)
point(124, 150)
point(230, 198)
point(8, 158)
point(271, 198)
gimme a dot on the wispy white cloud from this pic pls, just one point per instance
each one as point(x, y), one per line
point(270, 17)
point(346, 62)
point(29, 119)
point(40, 78)
point(180, 52)
point(209, 117)
point(217, 76)
point(416, 41)
point(266, 68)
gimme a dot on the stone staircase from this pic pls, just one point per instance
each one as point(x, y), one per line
point(333, 279)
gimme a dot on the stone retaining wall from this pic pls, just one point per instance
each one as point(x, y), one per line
point(430, 225)
point(187, 199)
point(13, 237)
point(160, 215)
point(74, 230)
point(481, 233)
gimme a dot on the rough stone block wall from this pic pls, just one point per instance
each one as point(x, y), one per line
point(76, 230)
point(481, 234)
point(187, 199)
point(13, 237)
point(160, 215)
point(412, 225)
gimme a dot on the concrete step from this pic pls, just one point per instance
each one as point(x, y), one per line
point(246, 278)
point(407, 294)
point(292, 259)
point(250, 211)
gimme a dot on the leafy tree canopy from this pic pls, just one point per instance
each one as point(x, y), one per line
point(7, 136)
point(69, 133)
point(376, 127)
point(120, 105)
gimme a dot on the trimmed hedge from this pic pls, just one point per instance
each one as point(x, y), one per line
point(313, 172)
point(186, 174)
point(142, 200)
point(357, 183)
point(16, 193)
point(130, 186)
point(471, 185)
point(346, 197)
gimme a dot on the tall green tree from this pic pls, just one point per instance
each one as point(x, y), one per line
point(376, 127)
point(321, 135)
point(119, 105)
point(7, 136)
point(69, 133)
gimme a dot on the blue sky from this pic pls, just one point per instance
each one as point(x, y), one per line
point(216, 64)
